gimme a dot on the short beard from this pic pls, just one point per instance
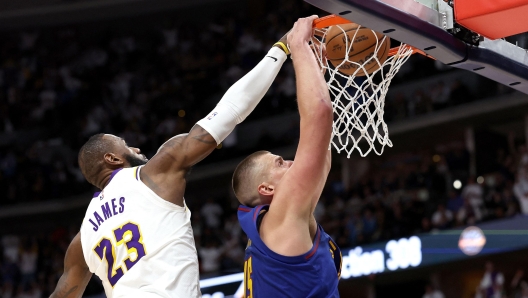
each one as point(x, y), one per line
point(135, 161)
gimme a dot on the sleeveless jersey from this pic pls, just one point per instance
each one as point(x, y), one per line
point(137, 243)
point(268, 274)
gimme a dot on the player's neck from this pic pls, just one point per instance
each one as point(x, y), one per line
point(104, 178)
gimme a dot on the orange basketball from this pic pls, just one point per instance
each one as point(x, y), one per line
point(364, 46)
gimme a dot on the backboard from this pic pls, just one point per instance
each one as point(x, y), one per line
point(429, 25)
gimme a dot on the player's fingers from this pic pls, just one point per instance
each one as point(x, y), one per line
point(310, 20)
point(313, 17)
point(307, 23)
point(318, 32)
point(303, 21)
point(316, 41)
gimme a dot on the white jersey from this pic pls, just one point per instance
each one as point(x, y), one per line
point(139, 244)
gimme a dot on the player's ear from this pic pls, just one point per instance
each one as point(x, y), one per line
point(266, 192)
point(265, 189)
point(112, 159)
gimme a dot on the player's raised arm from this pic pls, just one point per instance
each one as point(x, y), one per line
point(286, 248)
point(76, 274)
point(177, 155)
point(305, 179)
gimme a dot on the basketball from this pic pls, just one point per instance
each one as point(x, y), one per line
point(364, 46)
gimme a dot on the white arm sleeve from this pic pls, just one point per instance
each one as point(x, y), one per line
point(240, 100)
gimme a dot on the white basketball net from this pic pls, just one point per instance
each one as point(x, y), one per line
point(358, 102)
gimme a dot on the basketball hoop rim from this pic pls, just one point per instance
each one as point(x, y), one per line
point(332, 20)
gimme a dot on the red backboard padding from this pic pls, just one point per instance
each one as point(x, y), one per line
point(493, 18)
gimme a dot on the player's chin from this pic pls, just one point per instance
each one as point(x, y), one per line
point(136, 159)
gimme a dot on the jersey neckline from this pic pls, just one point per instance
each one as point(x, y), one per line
point(114, 172)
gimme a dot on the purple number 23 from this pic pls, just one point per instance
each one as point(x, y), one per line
point(106, 250)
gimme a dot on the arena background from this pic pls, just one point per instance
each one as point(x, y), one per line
point(147, 70)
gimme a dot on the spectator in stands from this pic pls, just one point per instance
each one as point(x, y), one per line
point(233, 257)
point(496, 206)
point(473, 192)
point(455, 201)
point(370, 225)
point(431, 292)
point(197, 225)
point(354, 204)
point(232, 227)
point(492, 283)
point(28, 262)
point(352, 229)
point(468, 214)
point(521, 185)
point(426, 225)
point(319, 211)
point(396, 108)
point(442, 217)
point(7, 290)
point(511, 202)
point(398, 222)
point(336, 208)
point(424, 103)
point(211, 213)
point(440, 94)
point(519, 285)
point(31, 291)
point(10, 269)
point(210, 256)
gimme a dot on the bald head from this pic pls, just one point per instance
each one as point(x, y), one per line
point(91, 156)
point(247, 177)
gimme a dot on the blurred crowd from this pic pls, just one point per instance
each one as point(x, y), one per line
point(59, 86)
point(400, 195)
point(494, 284)
point(422, 191)
point(144, 83)
point(147, 83)
point(438, 96)
point(32, 264)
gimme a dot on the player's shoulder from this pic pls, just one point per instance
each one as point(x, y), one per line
point(96, 197)
point(248, 215)
point(249, 219)
point(122, 178)
point(124, 174)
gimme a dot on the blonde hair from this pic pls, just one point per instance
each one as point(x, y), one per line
point(246, 179)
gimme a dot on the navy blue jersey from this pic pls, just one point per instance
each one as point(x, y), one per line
point(268, 274)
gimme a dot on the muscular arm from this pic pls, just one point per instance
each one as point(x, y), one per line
point(183, 151)
point(165, 172)
point(76, 274)
point(296, 196)
point(307, 176)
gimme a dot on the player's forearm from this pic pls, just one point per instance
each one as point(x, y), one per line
point(312, 91)
point(76, 274)
point(68, 289)
point(252, 87)
point(242, 98)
